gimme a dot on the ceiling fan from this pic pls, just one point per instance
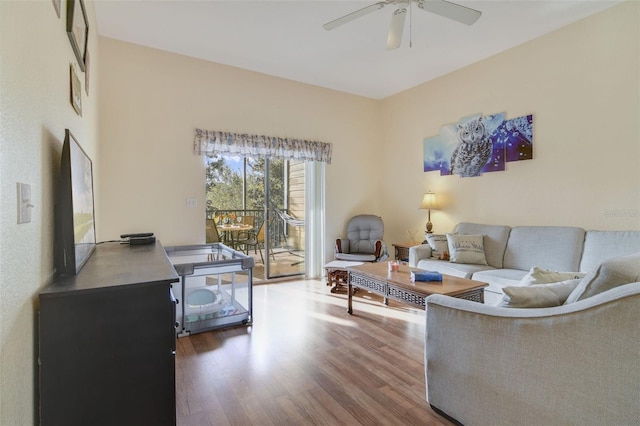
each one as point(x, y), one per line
point(443, 8)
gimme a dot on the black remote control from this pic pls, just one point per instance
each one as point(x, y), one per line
point(140, 241)
point(144, 234)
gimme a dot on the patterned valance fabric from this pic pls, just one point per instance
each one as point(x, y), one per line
point(256, 146)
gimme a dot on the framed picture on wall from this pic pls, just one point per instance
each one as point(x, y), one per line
point(76, 91)
point(78, 29)
point(86, 73)
point(56, 5)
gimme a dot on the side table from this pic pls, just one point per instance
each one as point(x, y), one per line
point(402, 250)
point(337, 274)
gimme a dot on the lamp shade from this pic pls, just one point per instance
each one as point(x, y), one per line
point(429, 201)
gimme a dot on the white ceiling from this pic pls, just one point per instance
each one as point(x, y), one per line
point(286, 38)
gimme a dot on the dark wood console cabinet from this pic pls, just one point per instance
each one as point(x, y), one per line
point(107, 341)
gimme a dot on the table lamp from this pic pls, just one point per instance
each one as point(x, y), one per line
point(428, 204)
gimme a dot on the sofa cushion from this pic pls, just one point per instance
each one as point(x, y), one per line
point(454, 269)
point(557, 248)
point(499, 278)
point(439, 246)
point(538, 295)
point(602, 245)
point(611, 273)
point(544, 276)
point(356, 257)
point(466, 249)
point(495, 239)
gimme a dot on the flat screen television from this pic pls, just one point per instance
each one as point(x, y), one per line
point(75, 216)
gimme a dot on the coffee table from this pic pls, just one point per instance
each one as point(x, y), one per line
point(376, 278)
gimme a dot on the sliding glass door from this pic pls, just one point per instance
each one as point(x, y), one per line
point(284, 202)
point(270, 196)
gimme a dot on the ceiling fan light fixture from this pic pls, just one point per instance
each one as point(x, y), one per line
point(394, 37)
point(443, 8)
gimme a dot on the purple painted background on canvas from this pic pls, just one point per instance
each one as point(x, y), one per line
point(512, 140)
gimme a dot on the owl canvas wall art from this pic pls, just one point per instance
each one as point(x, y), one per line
point(479, 144)
point(473, 150)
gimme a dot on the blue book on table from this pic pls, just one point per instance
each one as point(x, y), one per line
point(426, 276)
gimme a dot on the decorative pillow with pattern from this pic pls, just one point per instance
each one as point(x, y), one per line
point(439, 246)
point(466, 249)
point(544, 276)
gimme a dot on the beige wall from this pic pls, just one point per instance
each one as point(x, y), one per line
point(582, 85)
point(34, 93)
point(151, 102)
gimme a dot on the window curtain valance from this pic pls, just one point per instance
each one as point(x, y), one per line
point(257, 146)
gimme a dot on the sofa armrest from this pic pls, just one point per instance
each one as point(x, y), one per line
point(572, 364)
point(416, 253)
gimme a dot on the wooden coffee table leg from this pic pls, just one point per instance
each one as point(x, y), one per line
point(338, 279)
point(332, 279)
point(350, 292)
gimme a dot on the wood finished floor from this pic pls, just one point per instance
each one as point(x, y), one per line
point(305, 361)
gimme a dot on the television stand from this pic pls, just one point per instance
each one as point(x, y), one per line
point(107, 340)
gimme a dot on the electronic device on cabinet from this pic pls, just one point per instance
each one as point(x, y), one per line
point(75, 216)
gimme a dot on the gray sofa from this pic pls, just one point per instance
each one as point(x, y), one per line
point(575, 364)
point(511, 252)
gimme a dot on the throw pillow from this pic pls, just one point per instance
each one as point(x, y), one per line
point(466, 249)
point(544, 276)
point(439, 246)
point(538, 295)
point(611, 273)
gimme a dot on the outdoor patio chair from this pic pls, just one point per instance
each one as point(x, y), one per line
point(212, 235)
point(247, 220)
point(254, 240)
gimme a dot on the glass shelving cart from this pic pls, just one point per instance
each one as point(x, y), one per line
point(215, 285)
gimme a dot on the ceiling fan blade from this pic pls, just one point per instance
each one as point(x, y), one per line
point(394, 38)
point(454, 11)
point(353, 15)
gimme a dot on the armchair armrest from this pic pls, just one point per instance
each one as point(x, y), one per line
point(572, 364)
point(382, 253)
point(342, 245)
point(416, 253)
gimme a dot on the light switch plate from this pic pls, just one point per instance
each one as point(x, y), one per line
point(24, 202)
